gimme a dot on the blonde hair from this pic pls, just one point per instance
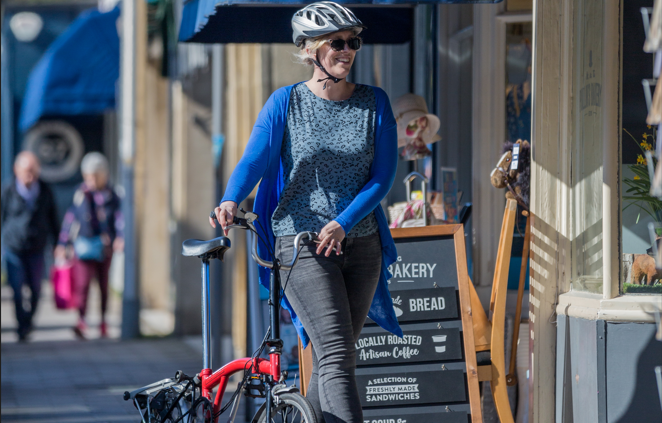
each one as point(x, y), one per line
point(313, 44)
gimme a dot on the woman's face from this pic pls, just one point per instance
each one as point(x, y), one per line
point(337, 63)
point(95, 181)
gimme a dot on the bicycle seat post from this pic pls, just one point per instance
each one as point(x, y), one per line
point(206, 318)
point(274, 294)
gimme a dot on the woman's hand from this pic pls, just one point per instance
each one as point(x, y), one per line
point(225, 213)
point(118, 245)
point(331, 236)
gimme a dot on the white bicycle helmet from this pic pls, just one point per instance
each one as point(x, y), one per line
point(321, 18)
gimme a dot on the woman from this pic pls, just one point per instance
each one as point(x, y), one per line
point(337, 143)
point(92, 226)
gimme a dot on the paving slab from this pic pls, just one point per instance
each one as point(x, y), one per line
point(83, 381)
point(55, 378)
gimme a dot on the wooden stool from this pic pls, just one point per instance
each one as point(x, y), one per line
point(489, 336)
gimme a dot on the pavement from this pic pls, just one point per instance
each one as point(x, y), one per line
point(54, 378)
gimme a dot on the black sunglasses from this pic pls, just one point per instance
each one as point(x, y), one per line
point(352, 43)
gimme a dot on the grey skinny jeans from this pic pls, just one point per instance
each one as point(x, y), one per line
point(332, 296)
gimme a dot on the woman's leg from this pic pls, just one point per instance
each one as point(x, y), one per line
point(82, 275)
point(312, 393)
point(316, 290)
point(103, 270)
point(361, 270)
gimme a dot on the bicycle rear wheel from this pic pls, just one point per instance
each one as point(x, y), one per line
point(290, 407)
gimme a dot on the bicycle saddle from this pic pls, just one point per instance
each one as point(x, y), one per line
point(197, 248)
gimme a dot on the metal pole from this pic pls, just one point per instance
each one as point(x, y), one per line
point(130, 295)
point(7, 115)
point(218, 79)
point(217, 69)
point(206, 321)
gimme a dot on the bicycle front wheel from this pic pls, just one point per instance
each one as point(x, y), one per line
point(290, 407)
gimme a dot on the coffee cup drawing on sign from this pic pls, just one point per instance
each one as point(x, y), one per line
point(437, 339)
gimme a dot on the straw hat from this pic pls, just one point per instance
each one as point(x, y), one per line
point(409, 107)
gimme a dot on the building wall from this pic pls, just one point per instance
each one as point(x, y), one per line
point(631, 356)
point(606, 371)
point(192, 199)
point(550, 180)
point(153, 190)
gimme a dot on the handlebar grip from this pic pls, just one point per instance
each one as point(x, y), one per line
point(181, 376)
point(236, 220)
point(239, 221)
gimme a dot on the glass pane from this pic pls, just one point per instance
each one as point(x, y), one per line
point(587, 154)
point(641, 212)
point(518, 81)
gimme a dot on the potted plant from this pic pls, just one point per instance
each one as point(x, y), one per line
point(639, 187)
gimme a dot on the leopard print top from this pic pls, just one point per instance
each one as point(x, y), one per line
point(327, 151)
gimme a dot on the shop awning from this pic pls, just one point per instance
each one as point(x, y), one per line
point(77, 73)
point(268, 21)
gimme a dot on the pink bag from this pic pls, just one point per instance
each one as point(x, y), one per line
point(62, 278)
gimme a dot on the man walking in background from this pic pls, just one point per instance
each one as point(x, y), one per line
point(29, 217)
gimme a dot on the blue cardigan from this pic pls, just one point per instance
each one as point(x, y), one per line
point(262, 161)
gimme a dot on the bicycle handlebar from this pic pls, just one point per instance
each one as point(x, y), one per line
point(247, 223)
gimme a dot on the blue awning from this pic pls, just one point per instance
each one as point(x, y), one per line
point(268, 21)
point(77, 73)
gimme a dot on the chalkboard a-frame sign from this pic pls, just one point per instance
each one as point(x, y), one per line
point(430, 375)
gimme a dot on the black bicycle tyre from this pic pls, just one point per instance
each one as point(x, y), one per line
point(288, 400)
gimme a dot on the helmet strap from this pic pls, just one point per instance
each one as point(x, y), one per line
point(331, 77)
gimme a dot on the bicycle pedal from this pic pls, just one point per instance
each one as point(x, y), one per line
point(254, 388)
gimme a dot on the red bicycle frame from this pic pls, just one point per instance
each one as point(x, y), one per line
point(221, 376)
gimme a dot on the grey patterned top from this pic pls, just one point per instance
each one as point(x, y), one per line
point(327, 151)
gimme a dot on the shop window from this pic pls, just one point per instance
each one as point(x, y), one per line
point(518, 81)
point(587, 145)
point(518, 116)
point(641, 211)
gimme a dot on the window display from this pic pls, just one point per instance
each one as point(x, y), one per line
point(641, 206)
point(518, 83)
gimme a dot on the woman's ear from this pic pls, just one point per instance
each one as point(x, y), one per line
point(309, 54)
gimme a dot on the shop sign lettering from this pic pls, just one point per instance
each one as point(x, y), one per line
point(396, 390)
point(412, 270)
point(402, 388)
point(394, 415)
point(415, 346)
point(425, 304)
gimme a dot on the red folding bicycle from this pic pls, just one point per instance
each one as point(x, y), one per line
point(189, 399)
